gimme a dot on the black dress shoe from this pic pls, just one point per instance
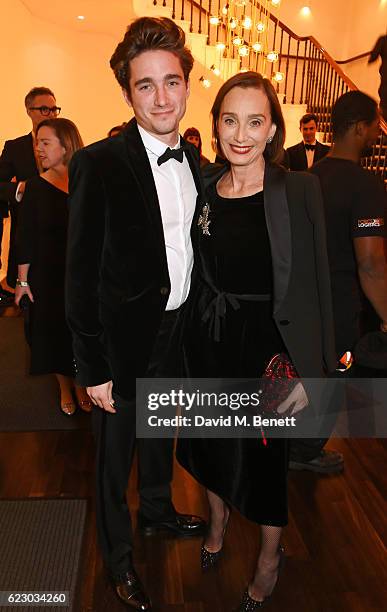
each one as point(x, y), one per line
point(209, 559)
point(248, 604)
point(181, 525)
point(131, 592)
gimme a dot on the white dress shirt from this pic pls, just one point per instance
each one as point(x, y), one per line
point(310, 154)
point(177, 194)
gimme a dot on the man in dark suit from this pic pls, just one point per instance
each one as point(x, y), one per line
point(133, 202)
point(306, 153)
point(18, 161)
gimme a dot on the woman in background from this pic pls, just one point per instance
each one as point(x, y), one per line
point(263, 288)
point(41, 247)
point(192, 135)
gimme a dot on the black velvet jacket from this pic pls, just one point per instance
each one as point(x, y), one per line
point(302, 305)
point(117, 281)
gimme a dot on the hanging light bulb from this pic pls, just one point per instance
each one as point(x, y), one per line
point(257, 47)
point(233, 23)
point(260, 26)
point(237, 41)
point(305, 11)
point(243, 51)
point(279, 76)
point(214, 20)
point(205, 82)
point(247, 23)
point(220, 46)
point(215, 70)
point(276, 2)
point(272, 56)
point(225, 9)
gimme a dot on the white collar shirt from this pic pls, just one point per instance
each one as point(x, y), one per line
point(310, 154)
point(177, 195)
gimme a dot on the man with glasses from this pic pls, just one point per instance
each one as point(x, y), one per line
point(18, 163)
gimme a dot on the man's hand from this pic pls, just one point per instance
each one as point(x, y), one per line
point(20, 291)
point(297, 398)
point(383, 326)
point(101, 395)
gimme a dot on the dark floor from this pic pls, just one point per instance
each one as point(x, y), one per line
point(335, 541)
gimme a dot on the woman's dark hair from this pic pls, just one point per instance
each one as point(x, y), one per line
point(192, 131)
point(350, 108)
point(274, 150)
point(67, 133)
point(117, 129)
point(150, 34)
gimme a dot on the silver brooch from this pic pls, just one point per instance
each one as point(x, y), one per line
point(204, 221)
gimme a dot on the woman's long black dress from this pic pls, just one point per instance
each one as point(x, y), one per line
point(236, 259)
point(41, 242)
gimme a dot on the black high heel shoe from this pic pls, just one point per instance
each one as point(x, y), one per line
point(209, 559)
point(248, 604)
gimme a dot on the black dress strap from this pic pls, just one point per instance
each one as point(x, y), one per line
point(217, 308)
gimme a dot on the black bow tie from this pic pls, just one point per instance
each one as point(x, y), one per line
point(177, 154)
point(309, 147)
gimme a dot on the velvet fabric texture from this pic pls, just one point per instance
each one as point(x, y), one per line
point(117, 282)
point(290, 241)
point(41, 242)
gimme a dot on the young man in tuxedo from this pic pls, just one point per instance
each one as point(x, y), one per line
point(134, 201)
point(306, 153)
point(18, 161)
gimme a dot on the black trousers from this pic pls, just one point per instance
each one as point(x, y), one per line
point(116, 443)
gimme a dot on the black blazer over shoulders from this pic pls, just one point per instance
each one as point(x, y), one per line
point(117, 281)
point(302, 305)
point(295, 157)
point(17, 160)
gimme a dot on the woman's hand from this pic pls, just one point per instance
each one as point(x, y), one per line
point(101, 395)
point(297, 398)
point(20, 291)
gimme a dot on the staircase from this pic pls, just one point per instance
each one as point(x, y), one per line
point(312, 80)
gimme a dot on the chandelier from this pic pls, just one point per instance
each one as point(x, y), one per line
point(245, 31)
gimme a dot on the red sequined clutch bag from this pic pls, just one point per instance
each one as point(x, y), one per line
point(277, 382)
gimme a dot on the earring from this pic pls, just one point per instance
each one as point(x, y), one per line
point(269, 140)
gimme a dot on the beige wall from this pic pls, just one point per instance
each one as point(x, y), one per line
point(345, 28)
point(75, 65)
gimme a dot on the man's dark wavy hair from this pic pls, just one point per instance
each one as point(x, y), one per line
point(150, 34)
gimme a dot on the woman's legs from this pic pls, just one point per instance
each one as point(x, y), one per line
point(219, 513)
point(83, 399)
point(66, 385)
point(266, 572)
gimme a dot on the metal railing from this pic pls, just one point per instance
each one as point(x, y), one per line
point(310, 75)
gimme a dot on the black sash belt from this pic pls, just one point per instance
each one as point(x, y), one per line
point(216, 309)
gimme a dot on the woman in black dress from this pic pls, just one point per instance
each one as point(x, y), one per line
point(192, 135)
point(41, 243)
point(263, 288)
